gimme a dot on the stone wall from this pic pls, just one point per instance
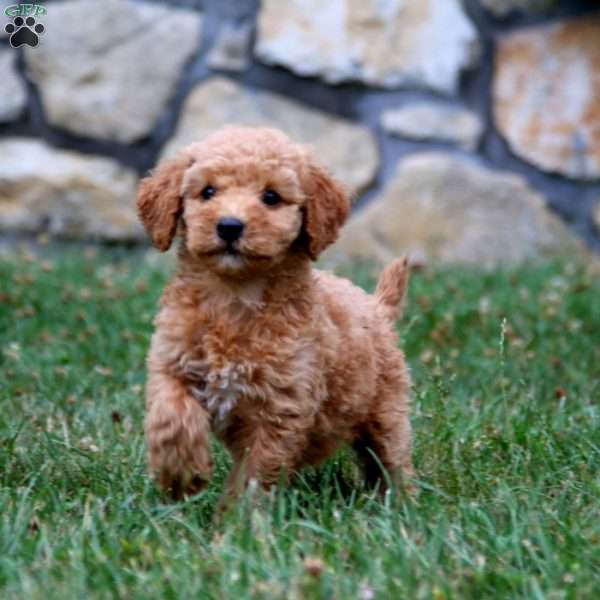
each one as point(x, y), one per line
point(467, 131)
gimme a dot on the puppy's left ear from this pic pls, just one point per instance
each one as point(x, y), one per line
point(327, 208)
point(159, 200)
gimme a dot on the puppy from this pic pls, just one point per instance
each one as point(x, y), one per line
point(282, 362)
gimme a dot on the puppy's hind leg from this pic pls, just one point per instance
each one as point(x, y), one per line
point(384, 446)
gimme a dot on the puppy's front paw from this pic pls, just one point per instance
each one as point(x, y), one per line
point(177, 477)
point(179, 451)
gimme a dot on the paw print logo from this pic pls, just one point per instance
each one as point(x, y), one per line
point(24, 31)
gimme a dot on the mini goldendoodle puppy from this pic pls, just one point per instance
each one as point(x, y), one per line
point(282, 362)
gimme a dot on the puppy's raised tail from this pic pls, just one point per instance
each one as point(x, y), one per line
point(391, 288)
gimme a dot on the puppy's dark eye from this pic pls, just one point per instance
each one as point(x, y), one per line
point(271, 198)
point(208, 192)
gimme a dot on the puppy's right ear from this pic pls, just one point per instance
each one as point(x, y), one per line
point(159, 200)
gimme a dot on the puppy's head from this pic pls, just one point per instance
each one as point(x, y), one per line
point(246, 198)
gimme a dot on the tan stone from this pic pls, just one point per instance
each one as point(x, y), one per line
point(348, 150)
point(12, 90)
point(113, 74)
point(434, 121)
point(65, 193)
point(386, 43)
point(445, 208)
point(547, 96)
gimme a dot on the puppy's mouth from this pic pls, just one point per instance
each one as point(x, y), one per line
point(228, 249)
point(233, 250)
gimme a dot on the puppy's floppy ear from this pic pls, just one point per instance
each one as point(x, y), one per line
point(327, 208)
point(159, 200)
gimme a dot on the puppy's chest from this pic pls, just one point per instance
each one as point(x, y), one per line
point(232, 371)
point(217, 384)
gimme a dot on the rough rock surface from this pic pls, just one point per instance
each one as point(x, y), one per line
point(386, 43)
point(231, 49)
point(68, 194)
point(434, 121)
point(348, 150)
point(12, 90)
point(442, 207)
point(547, 96)
point(114, 74)
point(502, 8)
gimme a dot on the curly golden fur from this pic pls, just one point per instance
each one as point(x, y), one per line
point(282, 362)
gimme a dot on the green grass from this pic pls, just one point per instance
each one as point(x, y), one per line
point(506, 367)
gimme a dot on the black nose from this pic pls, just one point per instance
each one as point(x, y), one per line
point(230, 229)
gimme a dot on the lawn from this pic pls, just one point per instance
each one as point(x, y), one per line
point(506, 369)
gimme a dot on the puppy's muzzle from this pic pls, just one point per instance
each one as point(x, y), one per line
point(230, 229)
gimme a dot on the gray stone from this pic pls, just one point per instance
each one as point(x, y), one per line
point(231, 49)
point(65, 193)
point(387, 43)
point(445, 208)
point(502, 8)
point(547, 96)
point(596, 214)
point(114, 73)
point(348, 150)
point(434, 121)
point(12, 90)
